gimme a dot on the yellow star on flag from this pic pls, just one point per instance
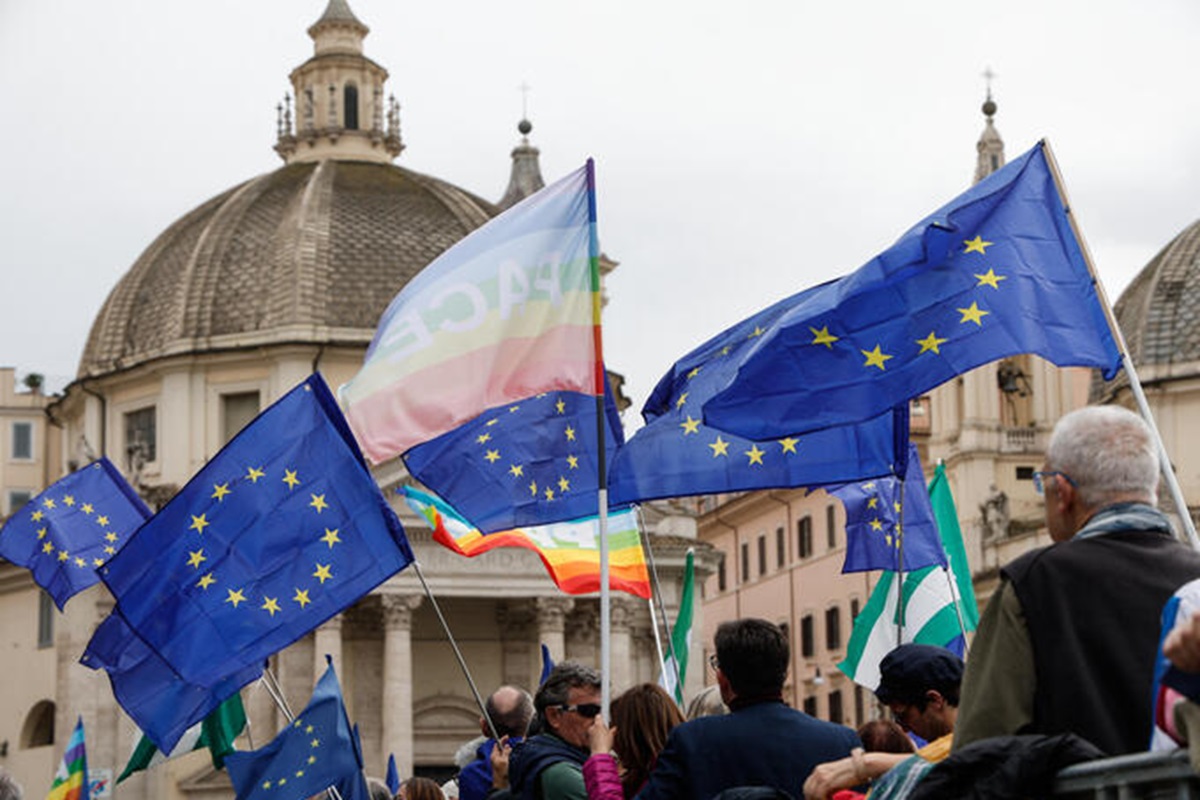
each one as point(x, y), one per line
point(516, 470)
point(570, 434)
point(316, 743)
point(302, 597)
point(563, 484)
point(79, 562)
point(69, 500)
point(973, 314)
point(990, 278)
point(110, 550)
point(37, 516)
point(111, 536)
point(756, 332)
point(63, 555)
point(492, 456)
point(322, 574)
point(872, 502)
point(331, 537)
point(533, 489)
point(318, 502)
point(875, 358)
point(206, 581)
point(312, 759)
point(681, 400)
point(87, 508)
point(196, 558)
point(48, 547)
point(97, 562)
point(253, 474)
point(690, 425)
point(561, 406)
point(271, 605)
point(48, 503)
point(823, 336)
point(483, 438)
point(235, 597)
point(876, 524)
point(695, 371)
point(720, 447)
point(219, 491)
point(930, 343)
point(101, 520)
point(41, 533)
point(789, 444)
point(573, 462)
point(755, 454)
point(976, 245)
point(549, 493)
point(309, 729)
point(199, 523)
point(289, 477)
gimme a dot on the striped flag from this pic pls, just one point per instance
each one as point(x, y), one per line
point(939, 603)
point(216, 732)
point(570, 550)
point(71, 779)
point(509, 312)
point(681, 633)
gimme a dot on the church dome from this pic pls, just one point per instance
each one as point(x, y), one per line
point(310, 253)
point(1159, 313)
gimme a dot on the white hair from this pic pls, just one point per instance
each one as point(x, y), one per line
point(1108, 452)
point(9, 788)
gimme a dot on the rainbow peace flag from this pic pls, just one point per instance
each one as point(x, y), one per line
point(570, 550)
point(71, 779)
point(509, 312)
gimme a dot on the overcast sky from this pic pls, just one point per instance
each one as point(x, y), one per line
point(744, 151)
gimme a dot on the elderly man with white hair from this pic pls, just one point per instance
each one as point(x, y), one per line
point(1068, 641)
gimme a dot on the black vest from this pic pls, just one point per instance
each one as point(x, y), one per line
point(1093, 607)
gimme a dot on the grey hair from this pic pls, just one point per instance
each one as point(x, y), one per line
point(9, 788)
point(1108, 451)
point(562, 679)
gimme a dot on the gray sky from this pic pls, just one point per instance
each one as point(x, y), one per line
point(744, 151)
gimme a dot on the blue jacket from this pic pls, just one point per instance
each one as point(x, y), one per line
point(764, 744)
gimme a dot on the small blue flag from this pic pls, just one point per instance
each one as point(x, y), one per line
point(314, 752)
point(995, 272)
point(281, 530)
point(520, 465)
point(675, 454)
point(393, 777)
point(72, 528)
point(875, 517)
point(547, 665)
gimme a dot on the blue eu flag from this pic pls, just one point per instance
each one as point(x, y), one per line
point(281, 530)
point(876, 516)
point(996, 272)
point(675, 454)
point(523, 464)
point(70, 530)
point(315, 751)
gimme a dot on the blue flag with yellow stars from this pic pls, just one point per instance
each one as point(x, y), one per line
point(68, 531)
point(996, 272)
point(281, 530)
point(876, 516)
point(522, 464)
point(675, 454)
point(315, 751)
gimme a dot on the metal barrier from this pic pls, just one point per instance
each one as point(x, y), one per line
point(1141, 776)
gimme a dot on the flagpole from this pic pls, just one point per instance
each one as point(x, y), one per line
point(601, 447)
point(900, 468)
point(1135, 384)
point(656, 593)
point(271, 684)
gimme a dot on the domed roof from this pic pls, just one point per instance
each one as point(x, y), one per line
point(1159, 312)
point(310, 253)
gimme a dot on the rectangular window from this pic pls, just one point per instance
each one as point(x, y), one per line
point(804, 537)
point(22, 441)
point(45, 620)
point(16, 499)
point(1025, 473)
point(141, 440)
point(762, 554)
point(855, 607)
point(833, 629)
point(835, 706)
point(237, 410)
point(745, 562)
point(721, 575)
point(830, 529)
point(807, 646)
point(860, 711)
point(780, 548)
point(810, 706)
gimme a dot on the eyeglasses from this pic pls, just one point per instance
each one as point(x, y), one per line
point(1039, 479)
point(712, 662)
point(588, 710)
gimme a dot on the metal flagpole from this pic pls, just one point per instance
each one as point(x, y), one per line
point(656, 593)
point(1135, 383)
point(271, 684)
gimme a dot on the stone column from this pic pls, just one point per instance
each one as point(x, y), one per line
point(622, 611)
point(327, 640)
point(521, 659)
point(397, 735)
point(551, 615)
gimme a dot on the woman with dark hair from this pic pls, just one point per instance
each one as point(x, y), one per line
point(420, 789)
point(641, 719)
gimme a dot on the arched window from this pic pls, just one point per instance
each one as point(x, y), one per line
point(350, 104)
point(38, 730)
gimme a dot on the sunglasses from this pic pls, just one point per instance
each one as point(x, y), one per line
point(588, 710)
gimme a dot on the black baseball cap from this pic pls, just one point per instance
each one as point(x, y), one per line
point(911, 670)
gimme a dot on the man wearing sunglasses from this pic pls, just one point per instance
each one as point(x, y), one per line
point(1068, 641)
point(549, 766)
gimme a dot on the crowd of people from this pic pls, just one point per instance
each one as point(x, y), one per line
point(1061, 670)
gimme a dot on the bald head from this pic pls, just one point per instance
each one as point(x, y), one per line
point(510, 710)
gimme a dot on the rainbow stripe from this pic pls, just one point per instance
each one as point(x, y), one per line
point(71, 779)
point(569, 550)
point(507, 313)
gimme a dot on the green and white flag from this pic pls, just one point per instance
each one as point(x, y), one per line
point(939, 603)
point(681, 634)
point(215, 732)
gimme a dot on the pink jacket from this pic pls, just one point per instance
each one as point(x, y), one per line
point(601, 778)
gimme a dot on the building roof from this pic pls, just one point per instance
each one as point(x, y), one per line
point(309, 253)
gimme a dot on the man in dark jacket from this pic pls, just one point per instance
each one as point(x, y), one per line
point(762, 741)
point(549, 766)
point(1067, 643)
